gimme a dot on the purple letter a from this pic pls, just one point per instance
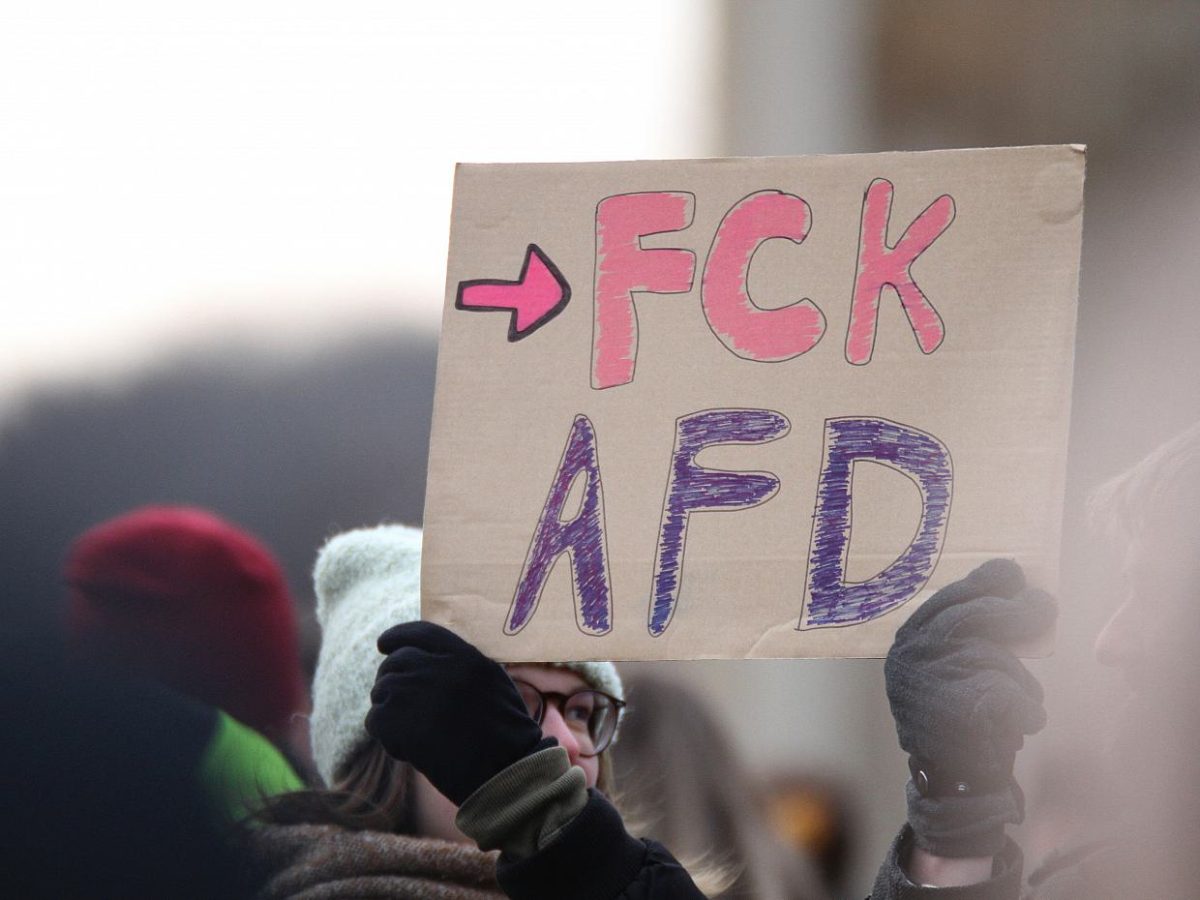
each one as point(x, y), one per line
point(582, 538)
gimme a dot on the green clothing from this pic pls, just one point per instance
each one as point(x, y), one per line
point(240, 767)
point(521, 809)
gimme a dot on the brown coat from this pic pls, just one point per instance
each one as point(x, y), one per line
point(325, 862)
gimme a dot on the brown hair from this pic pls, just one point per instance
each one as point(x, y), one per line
point(372, 792)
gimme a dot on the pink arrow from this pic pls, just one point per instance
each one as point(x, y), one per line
point(538, 295)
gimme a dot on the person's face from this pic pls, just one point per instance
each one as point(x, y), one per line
point(1152, 632)
point(560, 681)
point(433, 813)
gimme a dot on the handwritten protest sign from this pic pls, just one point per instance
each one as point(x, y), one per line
point(746, 407)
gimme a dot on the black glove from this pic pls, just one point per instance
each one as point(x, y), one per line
point(441, 705)
point(963, 704)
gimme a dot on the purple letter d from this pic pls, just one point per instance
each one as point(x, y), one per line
point(920, 456)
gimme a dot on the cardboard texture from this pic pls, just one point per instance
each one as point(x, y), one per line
point(746, 407)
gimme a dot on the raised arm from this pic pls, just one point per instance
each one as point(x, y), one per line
point(455, 714)
point(963, 704)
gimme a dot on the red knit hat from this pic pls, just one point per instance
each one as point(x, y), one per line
point(187, 598)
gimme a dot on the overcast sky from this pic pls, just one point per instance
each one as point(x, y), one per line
point(174, 171)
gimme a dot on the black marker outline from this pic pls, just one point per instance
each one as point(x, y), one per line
point(513, 334)
point(690, 213)
point(878, 302)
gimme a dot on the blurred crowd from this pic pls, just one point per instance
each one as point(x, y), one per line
point(163, 739)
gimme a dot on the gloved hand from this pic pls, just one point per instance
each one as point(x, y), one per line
point(963, 704)
point(441, 705)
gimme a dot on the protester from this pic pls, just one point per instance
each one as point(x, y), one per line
point(962, 703)
point(454, 748)
point(682, 780)
point(98, 790)
point(179, 596)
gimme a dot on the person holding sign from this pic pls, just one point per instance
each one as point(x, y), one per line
point(962, 703)
point(444, 747)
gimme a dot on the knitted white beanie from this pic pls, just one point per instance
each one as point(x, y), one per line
point(366, 581)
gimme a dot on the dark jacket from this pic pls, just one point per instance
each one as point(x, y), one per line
point(331, 862)
point(561, 839)
point(593, 857)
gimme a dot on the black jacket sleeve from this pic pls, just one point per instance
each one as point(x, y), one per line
point(593, 857)
point(892, 884)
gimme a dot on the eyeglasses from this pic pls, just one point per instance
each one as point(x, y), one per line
point(590, 715)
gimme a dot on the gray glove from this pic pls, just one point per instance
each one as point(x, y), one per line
point(963, 704)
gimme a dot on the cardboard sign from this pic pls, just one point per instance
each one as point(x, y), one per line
point(746, 407)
